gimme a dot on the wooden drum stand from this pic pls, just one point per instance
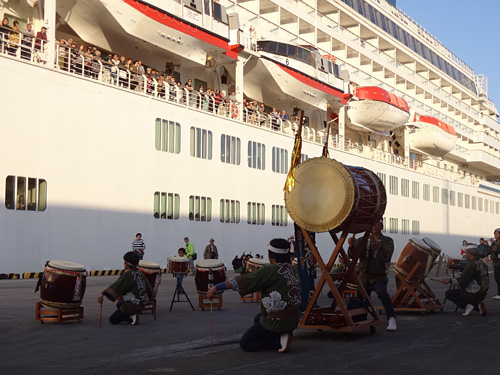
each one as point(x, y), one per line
point(337, 317)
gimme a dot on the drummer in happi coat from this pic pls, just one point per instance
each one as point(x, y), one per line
point(133, 289)
point(279, 285)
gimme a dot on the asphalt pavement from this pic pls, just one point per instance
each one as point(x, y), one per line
point(179, 341)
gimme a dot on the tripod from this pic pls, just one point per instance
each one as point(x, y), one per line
point(179, 290)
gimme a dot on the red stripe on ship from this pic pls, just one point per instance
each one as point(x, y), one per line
point(315, 84)
point(177, 24)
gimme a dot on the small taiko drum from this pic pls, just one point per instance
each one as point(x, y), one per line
point(435, 252)
point(208, 273)
point(178, 265)
point(63, 284)
point(414, 251)
point(254, 264)
point(152, 272)
point(328, 195)
point(453, 263)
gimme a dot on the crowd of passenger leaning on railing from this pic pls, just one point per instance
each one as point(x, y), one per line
point(131, 74)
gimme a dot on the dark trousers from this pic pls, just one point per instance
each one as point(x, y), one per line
point(257, 338)
point(496, 273)
point(119, 316)
point(454, 296)
point(380, 288)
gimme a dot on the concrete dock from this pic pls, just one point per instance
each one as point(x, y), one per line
point(179, 342)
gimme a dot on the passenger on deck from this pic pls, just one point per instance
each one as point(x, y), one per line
point(4, 35)
point(41, 39)
point(14, 38)
point(27, 42)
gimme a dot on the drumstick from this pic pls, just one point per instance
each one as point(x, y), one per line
point(100, 315)
point(211, 325)
point(441, 281)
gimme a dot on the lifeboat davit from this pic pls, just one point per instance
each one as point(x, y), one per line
point(432, 136)
point(374, 109)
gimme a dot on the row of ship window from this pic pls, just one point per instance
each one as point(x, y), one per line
point(436, 195)
point(168, 139)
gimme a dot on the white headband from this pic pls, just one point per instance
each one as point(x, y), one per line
point(277, 250)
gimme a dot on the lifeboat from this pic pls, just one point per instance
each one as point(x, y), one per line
point(432, 136)
point(375, 109)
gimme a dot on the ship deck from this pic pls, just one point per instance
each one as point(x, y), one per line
point(179, 341)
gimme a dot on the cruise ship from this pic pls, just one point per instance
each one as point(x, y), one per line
point(94, 152)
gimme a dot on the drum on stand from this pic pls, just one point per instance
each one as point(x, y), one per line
point(414, 251)
point(178, 265)
point(435, 253)
point(63, 284)
point(152, 272)
point(331, 196)
point(254, 264)
point(209, 272)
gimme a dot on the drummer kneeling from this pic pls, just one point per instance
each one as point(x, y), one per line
point(133, 289)
point(473, 284)
point(279, 285)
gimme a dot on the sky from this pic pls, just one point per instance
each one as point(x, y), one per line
point(468, 28)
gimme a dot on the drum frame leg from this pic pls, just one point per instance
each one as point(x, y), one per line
point(50, 314)
point(415, 295)
point(338, 302)
point(151, 306)
point(178, 291)
point(252, 297)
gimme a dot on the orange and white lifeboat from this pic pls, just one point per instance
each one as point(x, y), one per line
point(374, 109)
point(432, 136)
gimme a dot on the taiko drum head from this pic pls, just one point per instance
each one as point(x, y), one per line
point(66, 265)
point(323, 195)
point(434, 246)
point(149, 266)
point(257, 262)
point(209, 263)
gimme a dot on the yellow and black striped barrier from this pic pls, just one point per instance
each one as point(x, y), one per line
point(32, 275)
point(105, 273)
point(9, 276)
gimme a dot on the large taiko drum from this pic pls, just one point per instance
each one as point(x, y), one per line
point(63, 284)
point(152, 272)
point(331, 196)
point(178, 265)
point(435, 252)
point(414, 251)
point(208, 273)
point(253, 264)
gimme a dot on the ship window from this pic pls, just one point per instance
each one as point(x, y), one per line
point(384, 229)
point(230, 149)
point(272, 47)
point(435, 194)
point(219, 13)
point(200, 208)
point(167, 136)
point(256, 213)
point(486, 205)
point(206, 6)
point(256, 155)
point(415, 227)
point(279, 216)
point(467, 201)
point(497, 208)
point(393, 225)
point(229, 211)
point(201, 143)
point(292, 51)
point(474, 203)
point(393, 185)
point(283, 49)
point(304, 157)
point(405, 187)
point(280, 160)
point(22, 196)
point(427, 192)
point(480, 204)
point(382, 177)
point(415, 190)
point(460, 199)
point(166, 205)
point(444, 196)
point(492, 206)
point(452, 198)
point(405, 223)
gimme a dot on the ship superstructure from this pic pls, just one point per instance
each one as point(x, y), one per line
point(106, 151)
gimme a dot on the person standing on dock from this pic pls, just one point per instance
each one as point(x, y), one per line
point(139, 246)
point(190, 254)
point(279, 284)
point(211, 251)
point(373, 265)
point(494, 252)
